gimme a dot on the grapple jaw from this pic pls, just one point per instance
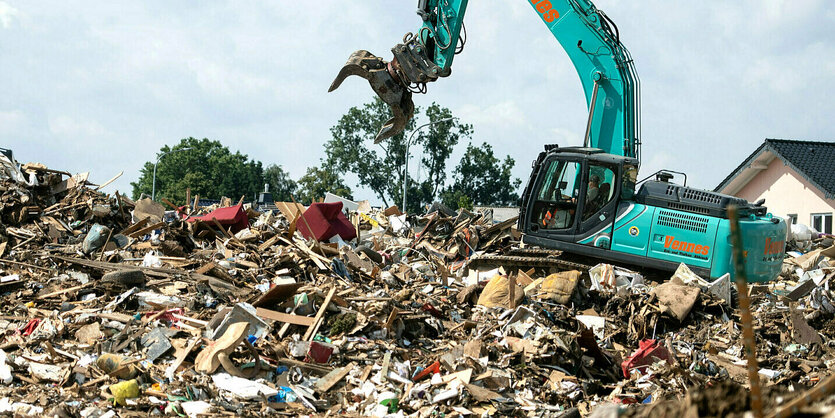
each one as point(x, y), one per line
point(385, 82)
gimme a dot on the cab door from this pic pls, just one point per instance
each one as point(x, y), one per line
point(600, 205)
point(556, 205)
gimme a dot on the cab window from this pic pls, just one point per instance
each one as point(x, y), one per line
point(557, 197)
point(600, 190)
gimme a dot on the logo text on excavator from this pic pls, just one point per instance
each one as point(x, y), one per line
point(544, 7)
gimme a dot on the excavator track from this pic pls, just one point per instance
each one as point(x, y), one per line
point(534, 252)
point(526, 262)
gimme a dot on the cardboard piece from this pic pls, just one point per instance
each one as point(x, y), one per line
point(676, 300)
point(148, 209)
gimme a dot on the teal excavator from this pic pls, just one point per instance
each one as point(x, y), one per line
point(585, 199)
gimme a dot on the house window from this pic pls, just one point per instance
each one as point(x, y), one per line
point(793, 217)
point(822, 222)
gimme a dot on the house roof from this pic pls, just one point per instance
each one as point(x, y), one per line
point(810, 159)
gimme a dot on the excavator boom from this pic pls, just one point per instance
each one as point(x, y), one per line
point(589, 38)
point(583, 200)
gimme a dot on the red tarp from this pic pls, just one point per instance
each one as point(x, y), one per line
point(649, 351)
point(233, 216)
point(322, 221)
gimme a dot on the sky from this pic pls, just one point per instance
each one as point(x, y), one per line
point(102, 87)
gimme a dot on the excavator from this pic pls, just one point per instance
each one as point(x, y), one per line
point(584, 199)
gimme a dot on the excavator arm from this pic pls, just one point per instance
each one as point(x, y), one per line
point(590, 39)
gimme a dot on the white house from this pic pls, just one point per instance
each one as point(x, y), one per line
point(796, 179)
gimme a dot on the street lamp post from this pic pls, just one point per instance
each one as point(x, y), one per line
point(406, 164)
point(154, 181)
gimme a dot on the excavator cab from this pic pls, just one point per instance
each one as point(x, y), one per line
point(573, 195)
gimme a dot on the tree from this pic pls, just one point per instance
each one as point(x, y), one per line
point(208, 168)
point(380, 167)
point(281, 185)
point(481, 179)
point(317, 181)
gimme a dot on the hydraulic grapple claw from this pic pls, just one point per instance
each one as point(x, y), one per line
point(389, 88)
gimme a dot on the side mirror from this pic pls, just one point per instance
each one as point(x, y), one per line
point(563, 185)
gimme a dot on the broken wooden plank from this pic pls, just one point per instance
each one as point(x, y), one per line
point(103, 185)
point(392, 317)
point(384, 373)
point(62, 291)
point(25, 264)
point(146, 230)
point(277, 294)
point(329, 380)
point(305, 321)
point(268, 243)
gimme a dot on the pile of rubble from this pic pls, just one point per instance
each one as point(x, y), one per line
point(117, 307)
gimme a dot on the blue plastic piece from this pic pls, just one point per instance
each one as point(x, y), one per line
point(284, 394)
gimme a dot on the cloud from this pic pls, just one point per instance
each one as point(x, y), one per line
point(131, 77)
point(7, 14)
point(11, 121)
point(505, 114)
point(65, 126)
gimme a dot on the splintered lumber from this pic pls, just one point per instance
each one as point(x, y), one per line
point(135, 227)
point(181, 357)
point(154, 271)
point(311, 331)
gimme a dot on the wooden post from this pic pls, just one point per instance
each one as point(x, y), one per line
point(749, 342)
point(511, 291)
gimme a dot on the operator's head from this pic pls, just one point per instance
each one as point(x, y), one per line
point(594, 179)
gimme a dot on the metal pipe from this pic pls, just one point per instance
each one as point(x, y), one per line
point(587, 136)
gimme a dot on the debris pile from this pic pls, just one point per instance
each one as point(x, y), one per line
point(117, 307)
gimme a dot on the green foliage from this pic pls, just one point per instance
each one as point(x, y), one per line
point(281, 185)
point(207, 167)
point(317, 181)
point(481, 179)
point(380, 167)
